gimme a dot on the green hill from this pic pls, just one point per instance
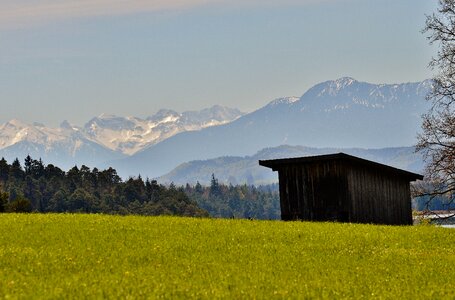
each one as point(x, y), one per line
point(96, 256)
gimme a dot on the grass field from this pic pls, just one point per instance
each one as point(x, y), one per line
point(95, 256)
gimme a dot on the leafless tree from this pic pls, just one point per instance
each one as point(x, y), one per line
point(437, 139)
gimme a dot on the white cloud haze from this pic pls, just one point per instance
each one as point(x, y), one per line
point(19, 13)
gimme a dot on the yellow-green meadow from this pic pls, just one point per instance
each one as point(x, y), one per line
point(96, 256)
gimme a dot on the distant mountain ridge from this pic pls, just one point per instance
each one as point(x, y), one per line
point(105, 137)
point(64, 146)
point(240, 170)
point(342, 113)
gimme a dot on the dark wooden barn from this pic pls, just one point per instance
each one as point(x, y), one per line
point(343, 188)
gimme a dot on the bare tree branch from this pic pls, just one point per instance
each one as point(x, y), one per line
point(437, 139)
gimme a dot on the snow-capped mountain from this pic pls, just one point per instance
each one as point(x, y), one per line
point(130, 134)
point(346, 92)
point(64, 146)
point(342, 113)
point(103, 138)
point(15, 131)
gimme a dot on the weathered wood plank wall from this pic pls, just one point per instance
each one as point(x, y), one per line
point(337, 191)
point(378, 197)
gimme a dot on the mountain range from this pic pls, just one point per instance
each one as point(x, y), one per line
point(103, 138)
point(343, 113)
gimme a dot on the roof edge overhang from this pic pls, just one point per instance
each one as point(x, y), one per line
point(276, 164)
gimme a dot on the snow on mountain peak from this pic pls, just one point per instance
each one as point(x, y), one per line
point(130, 134)
point(16, 131)
point(110, 122)
point(120, 134)
point(344, 81)
point(346, 92)
point(15, 123)
point(332, 87)
point(284, 100)
point(335, 86)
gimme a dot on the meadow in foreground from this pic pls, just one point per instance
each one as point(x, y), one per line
point(97, 256)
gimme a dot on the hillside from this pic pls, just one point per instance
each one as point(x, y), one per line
point(95, 256)
point(343, 113)
point(239, 170)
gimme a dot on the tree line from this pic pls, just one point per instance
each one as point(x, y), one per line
point(36, 187)
point(239, 201)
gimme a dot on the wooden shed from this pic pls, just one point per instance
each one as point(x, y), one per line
point(343, 188)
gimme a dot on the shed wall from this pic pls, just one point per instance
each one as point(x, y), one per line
point(378, 197)
point(314, 191)
point(338, 191)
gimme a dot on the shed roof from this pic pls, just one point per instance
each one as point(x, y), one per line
point(276, 163)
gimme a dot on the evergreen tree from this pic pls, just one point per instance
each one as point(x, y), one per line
point(16, 170)
point(198, 188)
point(28, 165)
point(4, 170)
point(214, 186)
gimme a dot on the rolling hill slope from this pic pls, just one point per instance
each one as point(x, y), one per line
point(239, 170)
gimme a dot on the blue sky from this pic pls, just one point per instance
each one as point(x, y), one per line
point(77, 59)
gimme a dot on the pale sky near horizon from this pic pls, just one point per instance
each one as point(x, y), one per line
point(76, 59)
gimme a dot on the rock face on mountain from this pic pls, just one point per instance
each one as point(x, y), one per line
point(104, 138)
point(240, 170)
point(343, 113)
